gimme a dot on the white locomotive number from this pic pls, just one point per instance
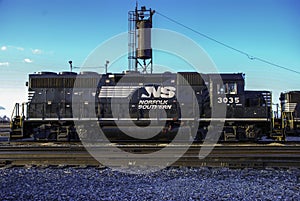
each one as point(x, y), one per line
point(229, 100)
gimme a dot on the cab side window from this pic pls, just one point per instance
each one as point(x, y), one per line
point(227, 88)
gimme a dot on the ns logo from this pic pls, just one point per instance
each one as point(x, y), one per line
point(160, 92)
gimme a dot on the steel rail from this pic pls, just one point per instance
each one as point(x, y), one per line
point(233, 156)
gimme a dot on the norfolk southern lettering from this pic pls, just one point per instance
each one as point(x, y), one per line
point(166, 92)
point(154, 104)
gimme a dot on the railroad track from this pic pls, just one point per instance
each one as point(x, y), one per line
point(232, 156)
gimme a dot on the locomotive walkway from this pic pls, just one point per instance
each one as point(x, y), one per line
point(228, 155)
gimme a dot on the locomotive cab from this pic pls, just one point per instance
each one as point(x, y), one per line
point(248, 113)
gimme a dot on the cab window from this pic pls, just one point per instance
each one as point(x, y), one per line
point(227, 88)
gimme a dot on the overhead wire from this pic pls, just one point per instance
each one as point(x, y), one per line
point(251, 57)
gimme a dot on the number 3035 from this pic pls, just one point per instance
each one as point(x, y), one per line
point(229, 100)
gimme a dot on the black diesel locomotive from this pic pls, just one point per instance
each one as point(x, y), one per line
point(167, 102)
point(115, 100)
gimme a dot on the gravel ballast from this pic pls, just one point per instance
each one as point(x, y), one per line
point(169, 184)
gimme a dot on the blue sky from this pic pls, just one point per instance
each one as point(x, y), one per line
point(40, 35)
